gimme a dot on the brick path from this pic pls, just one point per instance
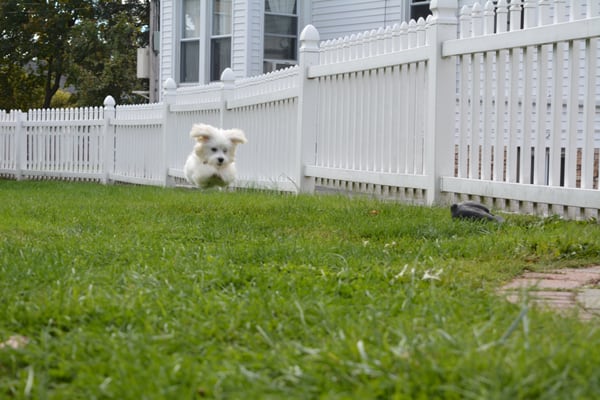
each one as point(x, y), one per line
point(564, 290)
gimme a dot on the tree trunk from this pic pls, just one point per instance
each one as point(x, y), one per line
point(51, 87)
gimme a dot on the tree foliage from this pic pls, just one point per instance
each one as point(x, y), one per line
point(87, 45)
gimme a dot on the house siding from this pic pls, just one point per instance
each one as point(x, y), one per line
point(240, 38)
point(246, 59)
point(337, 18)
point(255, 35)
point(332, 18)
point(167, 54)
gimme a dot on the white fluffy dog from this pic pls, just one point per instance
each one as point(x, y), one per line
point(211, 163)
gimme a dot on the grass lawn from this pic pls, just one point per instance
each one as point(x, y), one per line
point(149, 293)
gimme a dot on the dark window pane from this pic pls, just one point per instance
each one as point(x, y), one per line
point(270, 66)
point(280, 48)
point(191, 18)
point(220, 56)
point(281, 6)
point(190, 59)
point(221, 17)
point(281, 25)
point(420, 10)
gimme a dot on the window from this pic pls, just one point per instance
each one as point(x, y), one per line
point(190, 42)
point(220, 40)
point(281, 34)
point(419, 8)
point(205, 40)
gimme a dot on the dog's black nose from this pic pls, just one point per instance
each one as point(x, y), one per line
point(220, 160)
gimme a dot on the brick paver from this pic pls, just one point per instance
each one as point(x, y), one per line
point(563, 290)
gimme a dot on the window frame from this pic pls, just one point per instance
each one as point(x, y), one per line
point(205, 43)
point(182, 39)
point(218, 37)
point(295, 37)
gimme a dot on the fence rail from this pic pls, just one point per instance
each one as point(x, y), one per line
point(498, 103)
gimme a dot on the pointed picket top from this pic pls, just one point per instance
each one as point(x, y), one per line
point(352, 50)
point(421, 31)
point(412, 34)
point(502, 16)
point(477, 20)
point(530, 12)
point(488, 18)
point(396, 38)
point(544, 13)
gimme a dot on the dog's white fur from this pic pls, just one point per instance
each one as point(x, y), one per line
point(212, 162)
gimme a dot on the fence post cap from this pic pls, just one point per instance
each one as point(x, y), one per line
point(109, 101)
point(227, 75)
point(309, 38)
point(169, 84)
point(444, 11)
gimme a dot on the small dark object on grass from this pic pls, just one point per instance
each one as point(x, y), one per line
point(474, 211)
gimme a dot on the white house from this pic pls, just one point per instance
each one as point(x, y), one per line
point(199, 38)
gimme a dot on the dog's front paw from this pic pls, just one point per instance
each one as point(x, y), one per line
point(214, 180)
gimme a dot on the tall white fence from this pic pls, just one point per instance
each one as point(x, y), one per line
point(528, 105)
point(507, 112)
point(373, 124)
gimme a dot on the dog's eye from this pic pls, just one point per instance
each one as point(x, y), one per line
point(214, 149)
point(225, 151)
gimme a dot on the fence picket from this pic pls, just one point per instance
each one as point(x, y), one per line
point(527, 127)
point(589, 114)
point(540, 129)
point(498, 173)
point(556, 113)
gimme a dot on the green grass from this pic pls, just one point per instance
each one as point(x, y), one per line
point(139, 292)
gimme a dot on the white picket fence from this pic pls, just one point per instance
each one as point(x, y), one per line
point(65, 143)
point(507, 113)
point(532, 115)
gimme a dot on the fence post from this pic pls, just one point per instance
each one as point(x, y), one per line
point(228, 80)
point(109, 138)
point(439, 137)
point(20, 144)
point(306, 128)
point(169, 96)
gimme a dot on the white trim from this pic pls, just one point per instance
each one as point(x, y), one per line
point(376, 178)
point(564, 32)
point(269, 97)
point(135, 180)
point(299, 26)
point(523, 192)
point(210, 37)
point(204, 43)
point(381, 61)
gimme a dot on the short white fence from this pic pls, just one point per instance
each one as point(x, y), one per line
point(506, 113)
point(59, 143)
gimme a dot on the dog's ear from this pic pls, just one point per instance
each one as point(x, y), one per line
point(236, 136)
point(202, 132)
